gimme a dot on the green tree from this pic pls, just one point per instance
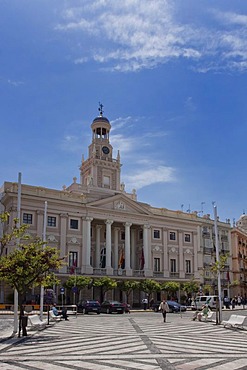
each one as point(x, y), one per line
point(190, 287)
point(28, 266)
point(171, 287)
point(149, 286)
point(14, 235)
point(80, 282)
point(128, 286)
point(105, 284)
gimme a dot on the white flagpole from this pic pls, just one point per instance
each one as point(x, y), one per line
point(42, 287)
point(18, 242)
point(218, 261)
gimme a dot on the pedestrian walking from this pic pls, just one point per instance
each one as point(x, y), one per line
point(164, 308)
point(145, 303)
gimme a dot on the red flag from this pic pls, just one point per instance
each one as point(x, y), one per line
point(142, 260)
point(73, 267)
point(121, 262)
point(228, 276)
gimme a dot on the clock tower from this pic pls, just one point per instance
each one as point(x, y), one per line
point(100, 170)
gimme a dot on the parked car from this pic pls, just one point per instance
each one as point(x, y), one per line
point(173, 306)
point(112, 306)
point(87, 306)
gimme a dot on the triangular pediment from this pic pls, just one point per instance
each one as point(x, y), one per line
point(121, 203)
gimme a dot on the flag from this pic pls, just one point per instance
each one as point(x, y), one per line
point(121, 262)
point(228, 276)
point(73, 267)
point(142, 260)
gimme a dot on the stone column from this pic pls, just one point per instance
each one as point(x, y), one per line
point(63, 236)
point(132, 248)
point(181, 254)
point(165, 255)
point(127, 249)
point(109, 269)
point(40, 223)
point(86, 266)
point(97, 243)
point(115, 254)
point(197, 247)
point(146, 247)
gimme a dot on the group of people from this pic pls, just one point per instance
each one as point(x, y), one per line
point(235, 301)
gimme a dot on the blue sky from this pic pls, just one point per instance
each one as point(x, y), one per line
point(171, 74)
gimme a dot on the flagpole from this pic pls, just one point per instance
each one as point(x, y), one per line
point(18, 243)
point(218, 261)
point(42, 287)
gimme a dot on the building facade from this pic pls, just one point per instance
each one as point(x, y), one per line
point(104, 231)
point(239, 257)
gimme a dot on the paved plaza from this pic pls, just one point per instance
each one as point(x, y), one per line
point(138, 340)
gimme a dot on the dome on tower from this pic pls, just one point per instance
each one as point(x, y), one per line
point(101, 119)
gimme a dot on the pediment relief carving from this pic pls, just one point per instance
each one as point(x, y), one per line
point(157, 248)
point(73, 240)
point(188, 251)
point(52, 238)
point(173, 250)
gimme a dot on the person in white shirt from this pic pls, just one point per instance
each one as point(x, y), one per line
point(164, 308)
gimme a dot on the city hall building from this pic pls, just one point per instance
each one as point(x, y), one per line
point(103, 230)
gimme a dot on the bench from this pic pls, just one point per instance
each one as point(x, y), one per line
point(235, 321)
point(54, 317)
point(208, 317)
point(34, 322)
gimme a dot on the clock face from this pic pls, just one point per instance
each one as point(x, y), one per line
point(105, 150)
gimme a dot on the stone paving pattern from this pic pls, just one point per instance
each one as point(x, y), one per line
point(127, 342)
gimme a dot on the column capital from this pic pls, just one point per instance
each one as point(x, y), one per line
point(64, 215)
point(40, 212)
point(146, 226)
point(90, 219)
point(99, 227)
point(109, 222)
point(116, 228)
point(127, 224)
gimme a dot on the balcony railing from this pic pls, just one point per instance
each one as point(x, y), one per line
point(139, 273)
point(174, 274)
point(119, 272)
point(158, 274)
point(99, 271)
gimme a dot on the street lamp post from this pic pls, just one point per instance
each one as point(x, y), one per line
point(218, 319)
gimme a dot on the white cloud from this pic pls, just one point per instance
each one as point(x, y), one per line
point(136, 34)
point(149, 176)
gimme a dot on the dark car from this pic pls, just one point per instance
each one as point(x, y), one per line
point(173, 306)
point(112, 306)
point(176, 307)
point(87, 306)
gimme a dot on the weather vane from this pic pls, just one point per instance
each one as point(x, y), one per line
point(100, 109)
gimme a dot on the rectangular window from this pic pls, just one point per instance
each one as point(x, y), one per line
point(74, 224)
point(156, 234)
point(73, 258)
point(188, 267)
point(173, 265)
point(172, 235)
point(51, 221)
point(27, 218)
point(106, 181)
point(187, 238)
point(156, 264)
